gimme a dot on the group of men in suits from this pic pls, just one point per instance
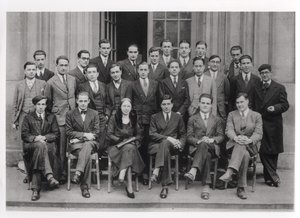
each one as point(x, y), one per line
point(180, 88)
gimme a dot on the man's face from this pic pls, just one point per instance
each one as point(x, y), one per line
point(166, 106)
point(214, 64)
point(265, 75)
point(105, 49)
point(84, 60)
point(115, 73)
point(132, 53)
point(167, 48)
point(235, 55)
point(30, 71)
point(83, 102)
point(154, 57)
point(246, 65)
point(62, 66)
point(92, 74)
point(174, 68)
point(184, 49)
point(242, 103)
point(40, 61)
point(41, 106)
point(200, 50)
point(198, 67)
point(205, 105)
point(143, 71)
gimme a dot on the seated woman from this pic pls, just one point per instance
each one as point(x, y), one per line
point(244, 130)
point(125, 136)
point(39, 134)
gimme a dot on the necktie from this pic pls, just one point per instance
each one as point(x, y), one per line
point(104, 62)
point(205, 119)
point(199, 81)
point(30, 84)
point(95, 89)
point(174, 81)
point(153, 68)
point(236, 65)
point(167, 117)
point(145, 86)
point(133, 64)
point(184, 62)
point(243, 123)
point(246, 80)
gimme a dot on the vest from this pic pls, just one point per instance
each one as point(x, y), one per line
point(29, 95)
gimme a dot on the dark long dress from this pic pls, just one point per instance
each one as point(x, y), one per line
point(128, 155)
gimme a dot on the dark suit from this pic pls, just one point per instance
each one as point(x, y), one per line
point(231, 71)
point(40, 158)
point(129, 72)
point(75, 128)
point(162, 61)
point(159, 145)
point(252, 129)
point(104, 75)
point(46, 75)
point(187, 70)
point(272, 142)
point(203, 152)
point(160, 72)
point(78, 75)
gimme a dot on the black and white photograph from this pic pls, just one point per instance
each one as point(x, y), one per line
point(120, 109)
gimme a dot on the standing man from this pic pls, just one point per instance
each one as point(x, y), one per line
point(60, 90)
point(185, 59)
point(42, 72)
point(205, 133)
point(157, 71)
point(97, 96)
point(82, 128)
point(222, 84)
point(103, 62)
point(234, 68)
point(83, 58)
point(129, 65)
point(166, 47)
point(145, 103)
point(199, 84)
point(168, 136)
point(270, 100)
point(200, 51)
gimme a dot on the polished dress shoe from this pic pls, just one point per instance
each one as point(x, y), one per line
point(205, 195)
point(76, 179)
point(164, 193)
point(62, 180)
point(85, 193)
point(129, 195)
point(145, 181)
point(269, 183)
point(241, 193)
point(53, 183)
point(35, 195)
point(277, 183)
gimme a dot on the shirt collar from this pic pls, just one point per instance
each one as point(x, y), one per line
point(244, 75)
point(103, 58)
point(165, 115)
point(80, 68)
point(245, 112)
point(142, 80)
point(186, 59)
point(269, 82)
point(202, 115)
point(30, 81)
point(118, 82)
point(42, 115)
point(197, 77)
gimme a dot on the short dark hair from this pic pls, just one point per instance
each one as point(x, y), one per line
point(201, 43)
point(166, 97)
point(184, 41)
point(245, 57)
point(143, 63)
point(133, 45)
point(115, 65)
point(265, 66)
point(28, 63)
point(198, 59)
point(83, 52)
point(39, 52)
point(172, 61)
point(213, 57)
point(102, 41)
point(165, 40)
point(91, 65)
point(236, 47)
point(153, 49)
point(206, 95)
point(240, 94)
point(82, 93)
point(38, 98)
point(61, 57)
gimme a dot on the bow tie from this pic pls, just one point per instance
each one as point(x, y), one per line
point(83, 112)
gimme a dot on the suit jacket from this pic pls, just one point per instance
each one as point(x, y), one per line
point(76, 127)
point(187, 71)
point(104, 74)
point(78, 75)
point(196, 130)
point(144, 105)
point(161, 61)
point(275, 95)
point(101, 89)
point(46, 76)
point(180, 94)
point(208, 86)
point(253, 128)
point(125, 91)
point(62, 98)
point(230, 71)
point(39, 86)
point(223, 92)
point(237, 85)
point(160, 72)
point(160, 129)
point(128, 71)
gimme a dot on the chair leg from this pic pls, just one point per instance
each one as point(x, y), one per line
point(176, 173)
point(109, 175)
point(150, 172)
point(215, 174)
point(69, 175)
point(136, 183)
point(188, 167)
point(254, 176)
point(90, 173)
point(97, 172)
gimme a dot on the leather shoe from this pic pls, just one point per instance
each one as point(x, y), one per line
point(85, 193)
point(62, 180)
point(164, 193)
point(129, 195)
point(35, 195)
point(76, 179)
point(277, 183)
point(241, 193)
point(205, 195)
point(269, 183)
point(53, 183)
point(145, 181)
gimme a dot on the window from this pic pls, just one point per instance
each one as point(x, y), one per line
point(109, 29)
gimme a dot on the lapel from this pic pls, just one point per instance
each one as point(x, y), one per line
point(89, 89)
point(122, 88)
point(240, 81)
point(80, 76)
point(200, 120)
point(219, 79)
point(111, 90)
point(260, 91)
point(78, 118)
point(162, 121)
point(22, 88)
point(150, 88)
point(170, 85)
point(140, 89)
point(130, 67)
point(210, 122)
point(179, 84)
point(59, 84)
point(270, 92)
point(45, 124)
point(87, 120)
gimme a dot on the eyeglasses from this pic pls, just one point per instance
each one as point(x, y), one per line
point(85, 59)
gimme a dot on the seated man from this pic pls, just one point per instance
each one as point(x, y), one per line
point(39, 134)
point(204, 133)
point(167, 135)
point(82, 129)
